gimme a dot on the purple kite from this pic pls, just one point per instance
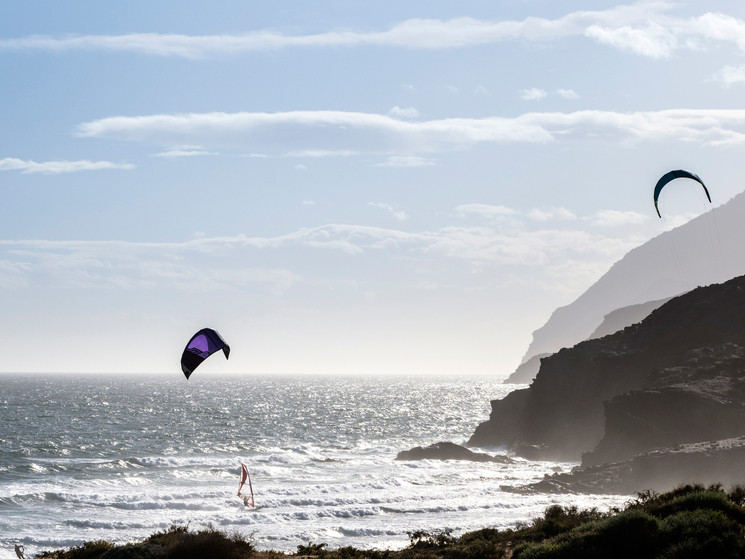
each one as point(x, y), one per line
point(201, 345)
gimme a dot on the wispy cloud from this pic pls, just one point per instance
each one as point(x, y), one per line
point(613, 218)
point(184, 151)
point(58, 167)
point(400, 215)
point(485, 210)
point(645, 28)
point(731, 75)
point(350, 133)
point(203, 263)
point(563, 214)
point(533, 94)
point(567, 93)
point(408, 112)
point(406, 161)
point(651, 40)
point(611, 26)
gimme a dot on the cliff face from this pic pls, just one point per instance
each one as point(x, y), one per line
point(676, 377)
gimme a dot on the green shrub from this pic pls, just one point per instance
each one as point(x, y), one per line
point(89, 550)
point(212, 543)
point(557, 520)
point(423, 539)
point(702, 534)
point(313, 549)
point(702, 500)
point(737, 495)
point(628, 534)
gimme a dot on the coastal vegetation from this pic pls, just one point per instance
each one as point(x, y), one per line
point(692, 521)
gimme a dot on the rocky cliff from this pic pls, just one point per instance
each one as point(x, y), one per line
point(612, 322)
point(677, 377)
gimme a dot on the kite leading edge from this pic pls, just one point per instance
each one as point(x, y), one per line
point(672, 175)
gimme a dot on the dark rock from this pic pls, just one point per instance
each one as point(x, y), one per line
point(677, 377)
point(664, 469)
point(449, 451)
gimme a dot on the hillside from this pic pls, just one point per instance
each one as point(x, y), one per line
point(706, 250)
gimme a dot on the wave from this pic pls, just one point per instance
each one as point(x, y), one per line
point(105, 525)
point(366, 532)
point(165, 505)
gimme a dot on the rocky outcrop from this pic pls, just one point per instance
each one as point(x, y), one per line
point(663, 469)
point(449, 451)
point(677, 377)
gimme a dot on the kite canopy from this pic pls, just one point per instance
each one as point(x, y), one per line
point(672, 175)
point(201, 345)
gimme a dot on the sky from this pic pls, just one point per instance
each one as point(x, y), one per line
point(342, 187)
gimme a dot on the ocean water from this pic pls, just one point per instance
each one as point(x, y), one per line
point(117, 457)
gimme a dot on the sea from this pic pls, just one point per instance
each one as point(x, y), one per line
point(119, 457)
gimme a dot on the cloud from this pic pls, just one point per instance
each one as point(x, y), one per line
point(209, 263)
point(327, 133)
point(406, 161)
point(409, 112)
point(670, 222)
point(645, 28)
point(552, 213)
point(532, 94)
point(614, 218)
point(194, 265)
point(58, 167)
point(652, 40)
point(731, 75)
point(567, 93)
point(184, 151)
point(485, 210)
point(613, 26)
point(400, 215)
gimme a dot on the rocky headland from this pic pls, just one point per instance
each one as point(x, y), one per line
point(636, 398)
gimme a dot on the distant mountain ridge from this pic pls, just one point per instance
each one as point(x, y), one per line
point(626, 316)
point(708, 249)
